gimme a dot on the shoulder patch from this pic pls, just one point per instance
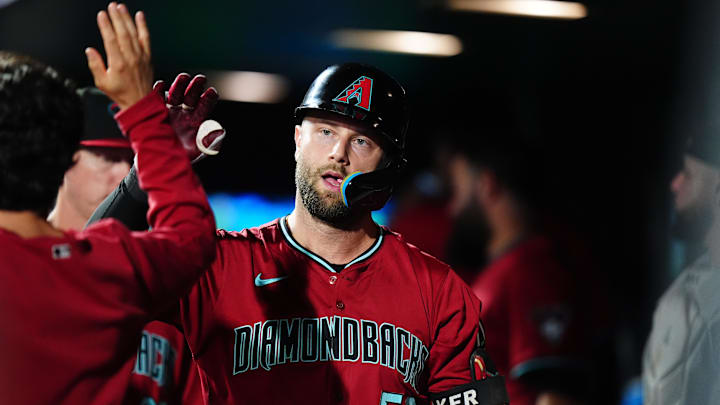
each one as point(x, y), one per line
point(552, 322)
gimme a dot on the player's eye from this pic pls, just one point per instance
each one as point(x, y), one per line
point(325, 131)
point(364, 142)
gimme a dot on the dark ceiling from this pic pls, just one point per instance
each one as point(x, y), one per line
point(292, 38)
point(581, 87)
point(593, 91)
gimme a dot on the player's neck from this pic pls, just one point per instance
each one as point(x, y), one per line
point(65, 216)
point(26, 224)
point(712, 242)
point(508, 225)
point(337, 246)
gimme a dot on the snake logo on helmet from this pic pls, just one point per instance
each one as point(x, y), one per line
point(367, 94)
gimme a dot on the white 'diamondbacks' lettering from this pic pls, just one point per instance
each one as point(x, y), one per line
point(271, 343)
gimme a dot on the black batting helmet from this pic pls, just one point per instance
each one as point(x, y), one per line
point(364, 93)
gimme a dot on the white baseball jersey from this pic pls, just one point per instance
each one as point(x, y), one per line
point(681, 364)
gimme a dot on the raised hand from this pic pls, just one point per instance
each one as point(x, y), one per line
point(189, 107)
point(128, 76)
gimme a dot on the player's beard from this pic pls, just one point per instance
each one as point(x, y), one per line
point(692, 224)
point(324, 205)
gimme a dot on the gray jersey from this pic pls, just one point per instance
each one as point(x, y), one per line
point(681, 363)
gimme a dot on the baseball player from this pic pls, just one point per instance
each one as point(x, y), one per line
point(164, 371)
point(323, 306)
point(680, 360)
point(73, 303)
point(530, 303)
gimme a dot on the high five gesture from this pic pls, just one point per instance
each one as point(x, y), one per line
point(128, 75)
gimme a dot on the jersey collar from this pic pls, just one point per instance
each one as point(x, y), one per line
point(320, 260)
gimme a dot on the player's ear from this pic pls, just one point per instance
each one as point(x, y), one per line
point(298, 135)
point(75, 158)
point(486, 185)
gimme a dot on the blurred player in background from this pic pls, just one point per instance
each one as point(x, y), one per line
point(102, 161)
point(422, 214)
point(529, 292)
point(680, 363)
point(73, 303)
point(693, 189)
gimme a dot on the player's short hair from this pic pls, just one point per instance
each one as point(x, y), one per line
point(41, 123)
point(111, 154)
point(499, 146)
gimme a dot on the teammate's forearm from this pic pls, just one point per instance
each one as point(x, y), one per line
point(127, 203)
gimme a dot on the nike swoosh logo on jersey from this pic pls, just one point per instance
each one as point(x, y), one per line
point(261, 283)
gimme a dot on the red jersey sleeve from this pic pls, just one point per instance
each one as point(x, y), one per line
point(456, 329)
point(196, 307)
point(168, 259)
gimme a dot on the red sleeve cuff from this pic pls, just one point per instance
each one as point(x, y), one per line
point(147, 107)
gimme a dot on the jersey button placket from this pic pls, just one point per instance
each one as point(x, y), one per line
point(334, 281)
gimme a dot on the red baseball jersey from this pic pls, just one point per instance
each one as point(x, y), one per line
point(272, 323)
point(72, 307)
point(164, 371)
point(528, 314)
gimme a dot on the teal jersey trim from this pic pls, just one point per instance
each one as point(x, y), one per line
point(319, 259)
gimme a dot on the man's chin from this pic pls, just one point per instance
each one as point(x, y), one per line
point(329, 197)
point(689, 228)
point(334, 206)
point(334, 212)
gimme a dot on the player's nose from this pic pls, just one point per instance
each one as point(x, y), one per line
point(339, 150)
point(677, 182)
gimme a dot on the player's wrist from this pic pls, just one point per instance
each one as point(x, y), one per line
point(150, 105)
point(133, 94)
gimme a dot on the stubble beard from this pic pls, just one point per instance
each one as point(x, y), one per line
point(325, 206)
point(692, 224)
